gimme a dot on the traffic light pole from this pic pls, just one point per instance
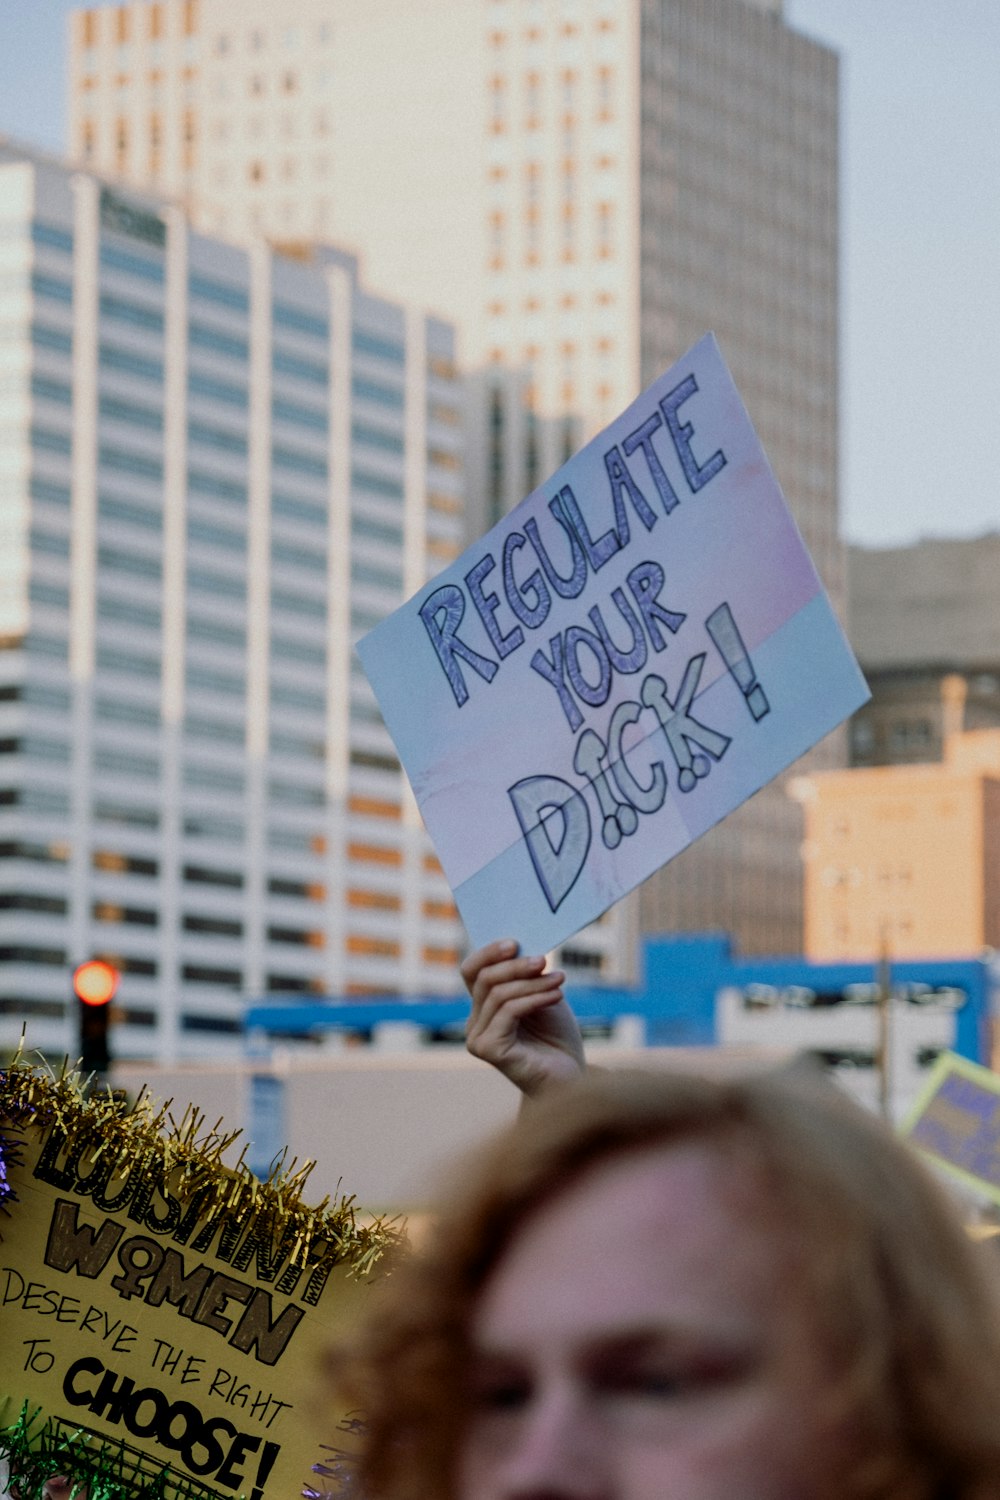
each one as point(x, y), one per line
point(94, 985)
point(884, 1028)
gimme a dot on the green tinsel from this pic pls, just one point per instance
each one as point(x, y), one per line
point(38, 1448)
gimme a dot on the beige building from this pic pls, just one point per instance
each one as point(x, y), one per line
point(583, 186)
point(905, 858)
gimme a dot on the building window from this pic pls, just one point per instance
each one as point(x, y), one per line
point(113, 862)
point(497, 225)
point(373, 947)
point(449, 956)
point(605, 220)
point(374, 854)
point(212, 926)
point(910, 736)
point(568, 235)
point(532, 100)
point(297, 937)
point(278, 983)
point(862, 736)
point(374, 807)
point(204, 875)
point(605, 93)
point(230, 979)
point(374, 900)
point(134, 916)
point(498, 104)
point(303, 890)
point(441, 910)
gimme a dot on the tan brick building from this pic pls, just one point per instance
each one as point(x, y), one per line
point(906, 857)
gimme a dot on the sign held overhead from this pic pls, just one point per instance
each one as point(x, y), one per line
point(625, 658)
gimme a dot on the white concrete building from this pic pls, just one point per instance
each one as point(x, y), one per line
point(218, 468)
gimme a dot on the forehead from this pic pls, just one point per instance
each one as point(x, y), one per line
point(678, 1233)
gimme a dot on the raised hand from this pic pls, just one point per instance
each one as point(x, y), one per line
point(520, 1021)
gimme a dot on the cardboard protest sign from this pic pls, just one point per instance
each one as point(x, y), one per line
point(956, 1123)
point(631, 653)
point(163, 1317)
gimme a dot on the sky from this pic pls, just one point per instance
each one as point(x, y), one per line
point(920, 224)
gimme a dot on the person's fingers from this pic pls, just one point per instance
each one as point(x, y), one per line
point(491, 953)
point(511, 971)
point(507, 977)
point(498, 1031)
point(526, 980)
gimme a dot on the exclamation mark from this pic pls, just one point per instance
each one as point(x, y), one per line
point(267, 1457)
point(722, 628)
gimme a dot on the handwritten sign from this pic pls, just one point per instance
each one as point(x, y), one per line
point(625, 658)
point(161, 1333)
point(956, 1122)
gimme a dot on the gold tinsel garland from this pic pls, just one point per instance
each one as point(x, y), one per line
point(146, 1139)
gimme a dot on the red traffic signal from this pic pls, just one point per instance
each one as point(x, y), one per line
point(95, 982)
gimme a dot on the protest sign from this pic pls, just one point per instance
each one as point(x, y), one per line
point(631, 653)
point(956, 1123)
point(164, 1318)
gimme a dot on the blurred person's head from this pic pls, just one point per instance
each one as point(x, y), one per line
point(659, 1287)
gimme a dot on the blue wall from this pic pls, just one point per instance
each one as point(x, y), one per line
point(681, 977)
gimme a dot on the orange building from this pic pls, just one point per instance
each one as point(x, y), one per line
point(906, 857)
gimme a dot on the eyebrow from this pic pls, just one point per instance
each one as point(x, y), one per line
point(638, 1341)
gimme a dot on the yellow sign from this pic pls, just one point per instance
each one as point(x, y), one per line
point(956, 1122)
point(164, 1318)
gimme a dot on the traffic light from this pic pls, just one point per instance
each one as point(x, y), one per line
point(94, 984)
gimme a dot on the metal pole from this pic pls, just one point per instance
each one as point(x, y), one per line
point(884, 982)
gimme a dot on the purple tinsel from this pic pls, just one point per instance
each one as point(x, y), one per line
point(339, 1467)
point(7, 1156)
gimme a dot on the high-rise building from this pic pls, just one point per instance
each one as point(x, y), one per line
point(219, 467)
point(925, 623)
point(583, 186)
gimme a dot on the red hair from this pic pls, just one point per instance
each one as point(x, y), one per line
point(905, 1304)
